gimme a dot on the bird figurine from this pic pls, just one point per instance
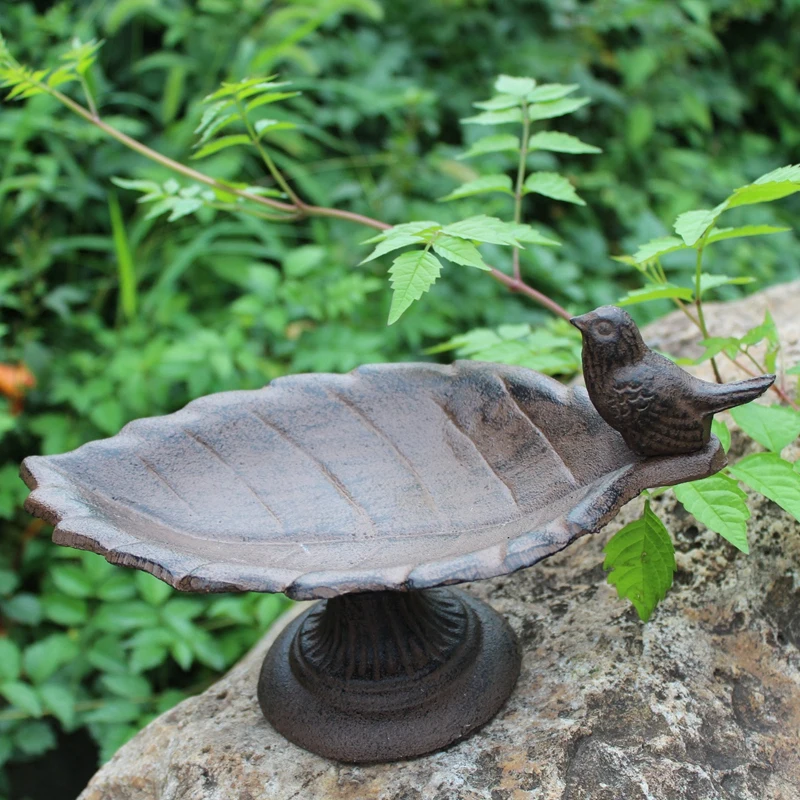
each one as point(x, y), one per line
point(660, 409)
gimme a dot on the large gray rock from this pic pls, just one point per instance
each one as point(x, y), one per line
point(702, 703)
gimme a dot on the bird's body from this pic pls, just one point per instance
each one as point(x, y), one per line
point(658, 408)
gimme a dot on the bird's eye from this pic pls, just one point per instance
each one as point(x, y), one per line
point(604, 328)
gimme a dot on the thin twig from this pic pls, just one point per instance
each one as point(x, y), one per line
point(699, 304)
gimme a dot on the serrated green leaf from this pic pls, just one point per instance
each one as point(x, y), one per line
point(483, 185)
point(795, 370)
point(718, 344)
point(460, 251)
point(709, 282)
point(556, 142)
point(721, 431)
point(499, 102)
point(269, 97)
point(666, 291)
point(721, 234)
point(774, 427)
point(691, 225)
point(551, 184)
point(272, 125)
point(524, 233)
point(766, 330)
point(390, 244)
point(495, 117)
point(641, 558)
point(656, 248)
point(418, 228)
point(519, 87)
point(551, 91)
point(720, 505)
point(555, 108)
point(482, 228)
point(222, 143)
point(775, 478)
point(412, 274)
point(492, 144)
point(775, 185)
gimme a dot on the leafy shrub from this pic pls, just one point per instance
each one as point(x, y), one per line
point(119, 313)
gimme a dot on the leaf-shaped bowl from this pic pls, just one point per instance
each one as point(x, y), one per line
point(395, 476)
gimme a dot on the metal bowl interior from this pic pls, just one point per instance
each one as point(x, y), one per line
point(395, 476)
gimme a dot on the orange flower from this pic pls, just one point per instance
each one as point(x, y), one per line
point(14, 382)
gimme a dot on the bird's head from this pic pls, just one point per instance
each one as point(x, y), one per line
point(610, 333)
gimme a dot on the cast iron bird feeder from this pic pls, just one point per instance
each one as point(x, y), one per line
point(371, 491)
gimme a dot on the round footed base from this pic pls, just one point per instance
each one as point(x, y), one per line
point(383, 676)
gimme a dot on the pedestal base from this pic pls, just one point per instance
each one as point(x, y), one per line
point(383, 676)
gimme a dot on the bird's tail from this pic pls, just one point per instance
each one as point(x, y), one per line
point(729, 395)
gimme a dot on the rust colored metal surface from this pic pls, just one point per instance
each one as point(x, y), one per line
point(381, 676)
point(393, 477)
point(658, 408)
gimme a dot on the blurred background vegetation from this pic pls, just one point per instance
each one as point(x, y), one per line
point(116, 316)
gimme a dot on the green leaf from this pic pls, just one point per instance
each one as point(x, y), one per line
point(774, 427)
point(769, 474)
point(10, 660)
point(132, 687)
point(412, 274)
point(655, 292)
point(117, 617)
point(65, 610)
point(182, 653)
point(556, 142)
point(656, 248)
point(495, 117)
point(720, 234)
point(23, 696)
point(421, 228)
point(492, 144)
point(556, 108)
point(390, 244)
point(721, 431)
point(774, 185)
point(481, 228)
point(272, 125)
point(524, 233)
point(269, 97)
point(709, 282)
point(482, 185)
point(44, 657)
point(8, 582)
point(460, 251)
point(519, 87)
point(500, 102)
point(60, 702)
point(718, 344)
point(152, 590)
point(795, 370)
point(551, 184)
point(720, 505)
point(222, 144)
point(642, 560)
point(691, 225)
point(551, 91)
point(114, 711)
point(34, 737)
point(72, 580)
point(24, 608)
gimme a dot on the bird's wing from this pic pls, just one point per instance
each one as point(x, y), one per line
point(630, 396)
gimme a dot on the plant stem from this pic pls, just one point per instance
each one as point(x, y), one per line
point(699, 303)
point(274, 171)
point(523, 157)
point(294, 211)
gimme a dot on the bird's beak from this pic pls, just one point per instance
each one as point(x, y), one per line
point(580, 322)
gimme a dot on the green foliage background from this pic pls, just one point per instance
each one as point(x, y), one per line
point(120, 316)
